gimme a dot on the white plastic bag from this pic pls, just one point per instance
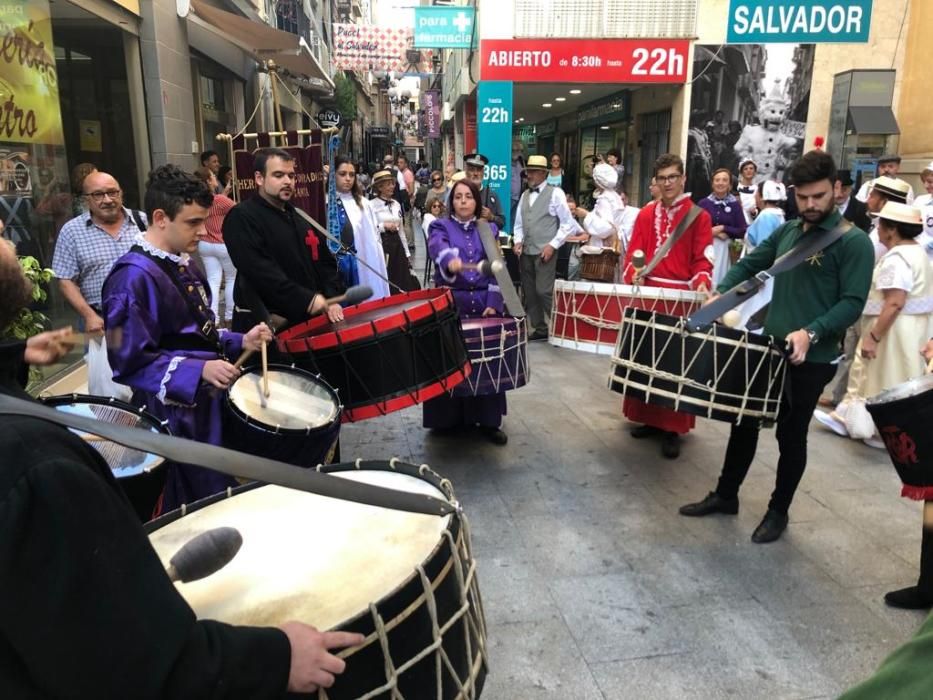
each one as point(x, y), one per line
point(99, 375)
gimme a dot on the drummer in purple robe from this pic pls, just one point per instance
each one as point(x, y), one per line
point(156, 304)
point(452, 243)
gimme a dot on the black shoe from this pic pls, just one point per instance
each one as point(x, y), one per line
point(538, 335)
point(644, 431)
point(713, 503)
point(670, 445)
point(770, 528)
point(909, 599)
point(496, 436)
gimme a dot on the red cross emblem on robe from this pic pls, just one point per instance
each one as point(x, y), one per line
point(311, 240)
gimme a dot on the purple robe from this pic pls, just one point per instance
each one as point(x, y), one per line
point(146, 306)
point(473, 293)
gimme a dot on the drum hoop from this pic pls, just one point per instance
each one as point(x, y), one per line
point(307, 430)
point(56, 400)
point(625, 290)
point(758, 343)
point(303, 337)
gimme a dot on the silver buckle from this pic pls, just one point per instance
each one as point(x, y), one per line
point(763, 276)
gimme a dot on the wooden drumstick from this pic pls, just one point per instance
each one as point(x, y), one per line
point(265, 370)
point(638, 264)
point(485, 267)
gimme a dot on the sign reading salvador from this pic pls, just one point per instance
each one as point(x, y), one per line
point(799, 21)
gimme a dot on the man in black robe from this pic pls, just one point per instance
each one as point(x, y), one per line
point(281, 260)
point(86, 609)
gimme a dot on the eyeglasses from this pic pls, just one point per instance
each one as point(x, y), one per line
point(99, 196)
point(436, 179)
point(664, 179)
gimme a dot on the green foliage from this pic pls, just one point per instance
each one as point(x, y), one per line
point(29, 322)
point(345, 96)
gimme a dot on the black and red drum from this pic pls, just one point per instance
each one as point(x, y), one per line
point(140, 474)
point(904, 416)
point(385, 355)
point(498, 349)
point(298, 422)
point(406, 581)
point(719, 373)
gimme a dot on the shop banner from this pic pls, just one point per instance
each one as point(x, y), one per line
point(445, 27)
point(469, 126)
point(29, 108)
point(373, 47)
point(494, 125)
point(585, 60)
point(799, 21)
point(431, 104)
point(309, 167)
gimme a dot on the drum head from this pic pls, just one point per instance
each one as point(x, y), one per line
point(904, 390)
point(297, 399)
point(305, 557)
point(124, 461)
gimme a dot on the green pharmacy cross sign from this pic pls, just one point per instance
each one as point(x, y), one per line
point(445, 28)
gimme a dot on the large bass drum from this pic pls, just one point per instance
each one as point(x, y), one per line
point(406, 581)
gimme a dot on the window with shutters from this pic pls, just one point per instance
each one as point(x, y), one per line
point(605, 19)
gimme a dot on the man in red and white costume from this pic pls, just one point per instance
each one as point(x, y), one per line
point(687, 266)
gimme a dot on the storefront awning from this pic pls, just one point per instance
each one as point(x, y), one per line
point(265, 43)
point(873, 120)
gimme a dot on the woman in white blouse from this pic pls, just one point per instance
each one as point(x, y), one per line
point(604, 222)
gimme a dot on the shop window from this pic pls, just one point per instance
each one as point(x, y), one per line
point(212, 93)
point(287, 16)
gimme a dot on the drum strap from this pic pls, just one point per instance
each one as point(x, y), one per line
point(669, 243)
point(512, 303)
point(806, 247)
point(232, 463)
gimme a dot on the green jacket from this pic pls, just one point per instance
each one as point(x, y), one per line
point(826, 293)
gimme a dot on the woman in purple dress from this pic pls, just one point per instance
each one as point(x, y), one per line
point(453, 242)
point(728, 217)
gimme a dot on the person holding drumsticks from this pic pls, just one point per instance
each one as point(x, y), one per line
point(86, 608)
point(157, 303)
point(812, 305)
point(454, 243)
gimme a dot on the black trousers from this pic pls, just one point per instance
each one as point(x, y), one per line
point(802, 388)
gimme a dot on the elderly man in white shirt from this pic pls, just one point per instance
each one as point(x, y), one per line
point(542, 223)
point(889, 166)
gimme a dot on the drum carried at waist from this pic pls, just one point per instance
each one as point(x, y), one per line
point(498, 351)
point(717, 373)
point(298, 423)
point(588, 315)
point(385, 355)
point(407, 582)
point(139, 474)
point(903, 416)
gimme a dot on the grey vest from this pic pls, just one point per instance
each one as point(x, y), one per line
point(538, 225)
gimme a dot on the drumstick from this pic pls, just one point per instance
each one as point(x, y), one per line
point(265, 370)
point(205, 554)
point(638, 264)
point(485, 267)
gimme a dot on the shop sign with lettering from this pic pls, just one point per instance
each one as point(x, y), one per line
point(799, 21)
point(494, 121)
point(585, 60)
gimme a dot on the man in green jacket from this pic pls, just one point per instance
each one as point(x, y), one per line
point(812, 306)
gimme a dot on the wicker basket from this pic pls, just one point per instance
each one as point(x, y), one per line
point(599, 267)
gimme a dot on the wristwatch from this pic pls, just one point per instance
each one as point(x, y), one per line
point(813, 336)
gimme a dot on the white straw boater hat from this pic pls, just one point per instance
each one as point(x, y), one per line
point(891, 187)
point(901, 213)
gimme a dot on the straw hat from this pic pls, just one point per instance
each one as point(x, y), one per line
point(382, 175)
point(457, 176)
point(536, 163)
point(901, 213)
point(891, 187)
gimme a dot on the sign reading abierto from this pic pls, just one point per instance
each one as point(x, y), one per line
point(585, 60)
point(445, 27)
point(494, 126)
point(799, 21)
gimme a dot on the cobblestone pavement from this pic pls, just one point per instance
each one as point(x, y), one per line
point(594, 586)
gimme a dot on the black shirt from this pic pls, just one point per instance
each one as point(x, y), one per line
point(279, 258)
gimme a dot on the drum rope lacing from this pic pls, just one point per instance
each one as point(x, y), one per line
point(497, 349)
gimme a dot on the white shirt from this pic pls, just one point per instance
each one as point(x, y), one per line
point(602, 222)
point(627, 224)
point(865, 189)
point(557, 207)
point(389, 212)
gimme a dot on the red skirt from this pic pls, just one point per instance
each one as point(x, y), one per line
point(657, 417)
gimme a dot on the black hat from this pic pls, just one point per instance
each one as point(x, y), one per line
point(889, 158)
point(844, 177)
point(477, 160)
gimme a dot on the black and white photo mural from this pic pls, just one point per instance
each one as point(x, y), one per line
point(749, 102)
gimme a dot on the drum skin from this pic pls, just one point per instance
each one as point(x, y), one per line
point(387, 354)
point(498, 350)
point(402, 618)
point(305, 446)
point(904, 416)
point(721, 373)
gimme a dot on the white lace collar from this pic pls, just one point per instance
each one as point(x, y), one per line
point(143, 243)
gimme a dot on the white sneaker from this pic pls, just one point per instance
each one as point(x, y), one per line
point(831, 423)
point(875, 442)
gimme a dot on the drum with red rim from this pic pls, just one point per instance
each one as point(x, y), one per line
point(588, 315)
point(386, 354)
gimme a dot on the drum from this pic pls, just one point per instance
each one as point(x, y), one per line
point(139, 474)
point(298, 423)
point(719, 373)
point(385, 355)
point(903, 416)
point(497, 347)
point(587, 315)
point(598, 265)
point(405, 581)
